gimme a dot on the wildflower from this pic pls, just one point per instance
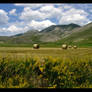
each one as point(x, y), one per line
point(40, 76)
point(41, 69)
point(54, 86)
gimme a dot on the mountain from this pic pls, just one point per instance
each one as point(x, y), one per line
point(49, 34)
point(28, 37)
point(53, 27)
point(80, 36)
point(56, 34)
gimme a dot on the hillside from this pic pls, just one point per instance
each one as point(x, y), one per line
point(28, 37)
point(68, 27)
point(50, 34)
point(56, 32)
point(81, 36)
point(53, 36)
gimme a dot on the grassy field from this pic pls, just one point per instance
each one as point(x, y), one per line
point(83, 44)
point(22, 67)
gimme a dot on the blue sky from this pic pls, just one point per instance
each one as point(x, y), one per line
point(19, 18)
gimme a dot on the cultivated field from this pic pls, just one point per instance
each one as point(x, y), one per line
point(45, 67)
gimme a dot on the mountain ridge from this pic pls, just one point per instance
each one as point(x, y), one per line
point(71, 33)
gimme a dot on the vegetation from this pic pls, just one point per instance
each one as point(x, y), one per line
point(49, 44)
point(45, 68)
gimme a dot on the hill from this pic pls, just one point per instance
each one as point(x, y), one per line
point(54, 35)
point(56, 32)
point(81, 36)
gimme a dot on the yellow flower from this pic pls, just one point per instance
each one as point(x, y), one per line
point(50, 87)
point(40, 76)
point(59, 77)
point(54, 86)
point(41, 69)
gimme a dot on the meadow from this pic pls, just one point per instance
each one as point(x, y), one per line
point(25, 67)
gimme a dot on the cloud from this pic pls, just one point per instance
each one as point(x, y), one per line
point(13, 12)
point(3, 17)
point(51, 11)
point(40, 25)
point(16, 29)
point(76, 16)
point(63, 14)
point(28, 14)
point(32, 6)
point(45, 12)
point(21, 27)
point(13, 28)
point(67, 6)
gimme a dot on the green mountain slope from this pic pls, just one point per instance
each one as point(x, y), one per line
point(68, 27)
point(81, 37)
point(52, 36)
point(28, 38)
point(56, 32)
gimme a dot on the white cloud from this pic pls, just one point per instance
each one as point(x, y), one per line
point(77, 16)
point(40, 25)
point(47, 11)
point(67, 7)
point(13, 28)
point(16, 29)
point(13, 12)
point(21, 27)
point(28, 14)
point(47, 8)
point(33, 6)
point(51, 11)
point(3, 17)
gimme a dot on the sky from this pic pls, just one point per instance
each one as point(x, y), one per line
point(18, 18)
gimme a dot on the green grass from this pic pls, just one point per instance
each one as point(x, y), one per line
point(15, 45)
point(58, 44)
